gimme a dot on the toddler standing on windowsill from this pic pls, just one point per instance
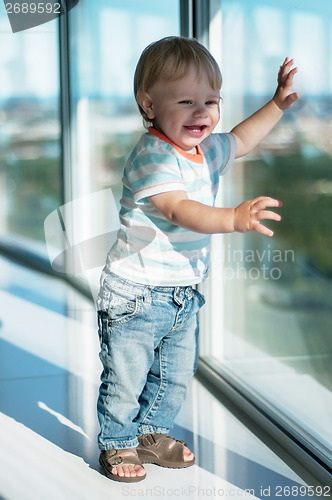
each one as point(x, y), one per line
point(148, 304)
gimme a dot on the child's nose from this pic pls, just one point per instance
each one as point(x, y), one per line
point(200, 110)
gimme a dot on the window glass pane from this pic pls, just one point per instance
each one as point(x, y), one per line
point(29, 131)
point(106, 40)
point(277, 292)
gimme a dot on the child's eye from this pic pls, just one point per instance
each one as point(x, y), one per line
point(185, 102)
point(211, 103)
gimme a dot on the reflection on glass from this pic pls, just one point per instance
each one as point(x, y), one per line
point(29, 130)
point(278, 292)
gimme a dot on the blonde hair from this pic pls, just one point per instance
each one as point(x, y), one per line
point(169, 59)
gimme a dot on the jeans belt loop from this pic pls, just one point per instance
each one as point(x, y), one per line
point(178, 296)
point(147, 295)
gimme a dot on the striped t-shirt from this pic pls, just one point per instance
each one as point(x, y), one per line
point(150, 249)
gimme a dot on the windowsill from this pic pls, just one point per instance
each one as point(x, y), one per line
point(279, 385)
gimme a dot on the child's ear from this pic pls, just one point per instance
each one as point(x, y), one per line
point(146, 104)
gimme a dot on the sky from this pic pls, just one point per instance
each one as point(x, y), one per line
point(259, 34)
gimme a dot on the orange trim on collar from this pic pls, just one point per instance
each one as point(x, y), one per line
point(195, 157)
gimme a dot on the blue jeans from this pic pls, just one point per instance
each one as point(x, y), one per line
point(149, 351)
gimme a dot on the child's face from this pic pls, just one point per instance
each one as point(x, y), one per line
point(185, 110)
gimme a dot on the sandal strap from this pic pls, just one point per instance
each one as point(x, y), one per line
point(114, 459)
point(159, 445)
point(150, 439)
point(155, 438)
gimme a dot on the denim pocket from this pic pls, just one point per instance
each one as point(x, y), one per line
point(122, 309)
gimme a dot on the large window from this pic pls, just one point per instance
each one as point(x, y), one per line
point(106, 39)
point(272, 335)
point(269, 312)
point(86, 135)
point(30, 170)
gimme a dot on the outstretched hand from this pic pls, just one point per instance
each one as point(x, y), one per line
point(284, 96)
point(248, 215)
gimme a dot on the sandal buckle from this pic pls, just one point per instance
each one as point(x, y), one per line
point(116, 461)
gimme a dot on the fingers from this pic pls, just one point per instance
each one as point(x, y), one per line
point(249, 214)
point(285, 71)
point(293, 97)
point(263, 202)
point(286, 65)
point(284, 96)
point(259, 205)
point(266, 214)
point(259, 228)
point(263, 215)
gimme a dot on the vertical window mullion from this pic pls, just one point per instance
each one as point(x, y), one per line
point(186, 18)
point(65, 108)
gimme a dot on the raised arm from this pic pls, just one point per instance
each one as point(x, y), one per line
point(251, 131)
point(200, 218)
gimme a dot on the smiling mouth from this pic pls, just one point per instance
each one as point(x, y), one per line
point(196, 130)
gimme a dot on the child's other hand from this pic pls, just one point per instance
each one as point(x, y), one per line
point(284, 96)
point(248, 215)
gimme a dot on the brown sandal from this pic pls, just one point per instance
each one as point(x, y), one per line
point(154, 449)
point(111, 458)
